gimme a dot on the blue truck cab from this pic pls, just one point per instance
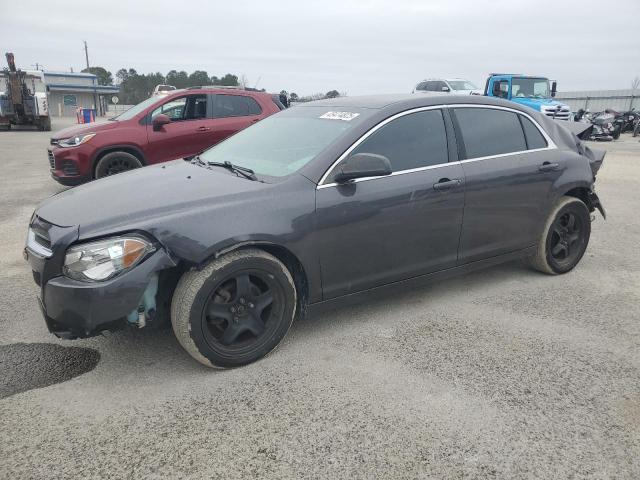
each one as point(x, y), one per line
point(531, 91)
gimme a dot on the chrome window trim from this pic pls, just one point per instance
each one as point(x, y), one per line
point(35, 248)
point(550, 144)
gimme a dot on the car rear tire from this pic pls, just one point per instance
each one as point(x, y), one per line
point(116, 162)
point(564, 239)
point(235, 310)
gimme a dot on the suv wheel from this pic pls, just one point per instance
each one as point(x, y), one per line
point(565, 237)
point(234, 311)
point(116, 162)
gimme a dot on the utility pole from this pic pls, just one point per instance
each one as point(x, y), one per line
point(37, 65)
point(95, 94)
point(86, 52)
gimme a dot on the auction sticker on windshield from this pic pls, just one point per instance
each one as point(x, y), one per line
point(346, 116)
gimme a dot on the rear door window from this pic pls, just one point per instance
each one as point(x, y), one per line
point(234, 106)
point(411, 141)
point(487, 131)
point(532, 134)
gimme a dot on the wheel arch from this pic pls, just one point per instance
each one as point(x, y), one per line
point(282, 253)
point(583, 192)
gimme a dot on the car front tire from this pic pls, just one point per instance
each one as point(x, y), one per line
point(235, 310)
point(116, 162)
point(564, 239)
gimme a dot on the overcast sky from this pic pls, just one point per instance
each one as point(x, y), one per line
point(358, 47)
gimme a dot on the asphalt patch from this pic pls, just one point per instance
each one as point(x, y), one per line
point(25, 366)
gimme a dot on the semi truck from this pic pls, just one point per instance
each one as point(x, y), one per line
point(23, 98)
point(532, 91)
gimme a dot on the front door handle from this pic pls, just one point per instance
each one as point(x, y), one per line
point(203, 129)
point(549, 167)
point(446, 184)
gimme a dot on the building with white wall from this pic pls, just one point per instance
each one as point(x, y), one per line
point(68, 91)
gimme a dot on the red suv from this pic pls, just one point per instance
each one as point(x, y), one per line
point(181, 124)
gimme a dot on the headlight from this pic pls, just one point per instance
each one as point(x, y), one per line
point(77, 140)
point(102, 260)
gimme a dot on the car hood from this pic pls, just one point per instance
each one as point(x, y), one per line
point(84, 128)
point(536, 103)
point(122, 201)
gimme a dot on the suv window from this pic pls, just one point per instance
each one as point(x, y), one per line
point(190, 107)
point(532, 134)
point(439, 86)
point(421, 86)
point(432, 86)
point(234, 106)
point(488, 131)
point(411, 141)
point(504, 88)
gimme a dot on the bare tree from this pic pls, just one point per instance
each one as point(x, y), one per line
point(635, 83)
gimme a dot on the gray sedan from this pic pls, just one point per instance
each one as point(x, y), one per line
point(321, 204)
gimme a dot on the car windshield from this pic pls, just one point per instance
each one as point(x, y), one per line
point(283, 143)
point(136, 109)
point(530, 87)
point(462, 85)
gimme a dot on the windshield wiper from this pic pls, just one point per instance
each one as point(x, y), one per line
point(237, 169)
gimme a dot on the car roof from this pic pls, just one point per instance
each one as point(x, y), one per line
point(214, 89)
point(407, 100)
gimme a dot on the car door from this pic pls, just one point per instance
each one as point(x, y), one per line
point(187, 132)
point(230, 114)
point(509, 176)
point(379, 230)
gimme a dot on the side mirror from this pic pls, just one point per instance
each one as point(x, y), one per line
point(363, 165)
point(160, 120)
point(554, 88)
point(495, 89)
point(446, 89)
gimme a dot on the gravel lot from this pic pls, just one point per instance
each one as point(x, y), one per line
point(505, 373)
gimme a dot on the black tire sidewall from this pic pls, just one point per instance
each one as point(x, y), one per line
point(196, 312)
point(578, 208)
point(104, 161)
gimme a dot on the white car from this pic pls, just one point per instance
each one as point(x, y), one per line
point(456, 86)
point(162, 90)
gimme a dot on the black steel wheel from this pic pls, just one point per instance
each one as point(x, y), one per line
point(234, 311)
point(116, 162)
point(565, 237)
point(242, 311)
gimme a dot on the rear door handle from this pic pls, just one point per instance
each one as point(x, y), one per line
point(446, 184)
point(203, 129)
point(549, 167)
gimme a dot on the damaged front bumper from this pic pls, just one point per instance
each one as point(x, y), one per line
point(75, 309)
point(595, 203)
